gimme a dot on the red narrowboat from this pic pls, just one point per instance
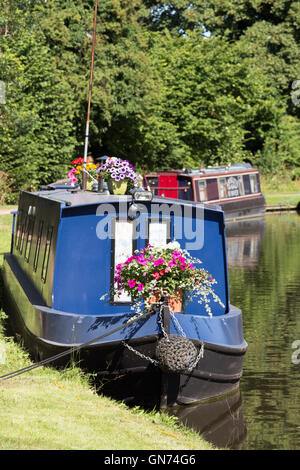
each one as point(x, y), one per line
point(236, 188)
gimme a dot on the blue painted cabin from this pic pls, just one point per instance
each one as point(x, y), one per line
point(65, 246)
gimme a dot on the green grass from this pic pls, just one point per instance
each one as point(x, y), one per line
point(47, 409)
point(280, 189)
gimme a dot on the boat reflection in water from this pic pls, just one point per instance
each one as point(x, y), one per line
point(244, 240)
point(219, 421)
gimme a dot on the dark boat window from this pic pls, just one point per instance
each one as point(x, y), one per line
point(152, 183)
point(185, 188)
point(30, 227)
point(212, 189)
point(38, 245)
point(246, 181)
point(47, 253)
point(23, 232)
point(18, 229)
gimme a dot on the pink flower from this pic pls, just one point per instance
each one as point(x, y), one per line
point(161, 273)
point(172, 263)
point(156, 275)
point(158, 262)
point(183, 266)
point(144, 274)
point(176, 254)
point(140, 286)
point(131, 283)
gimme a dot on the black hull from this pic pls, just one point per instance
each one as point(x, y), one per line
point(125, 376)
point(243, 208)
point(120, 372)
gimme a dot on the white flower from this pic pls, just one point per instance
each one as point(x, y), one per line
point(173, 245)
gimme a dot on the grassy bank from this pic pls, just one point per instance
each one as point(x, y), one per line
point(50, 409)
point(280, 189)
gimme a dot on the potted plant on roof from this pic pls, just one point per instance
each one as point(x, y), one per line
point(76, 172)
point(119, 174)
point(166, 271)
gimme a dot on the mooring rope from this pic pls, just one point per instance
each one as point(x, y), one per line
point(291, 199)
point(74, 348)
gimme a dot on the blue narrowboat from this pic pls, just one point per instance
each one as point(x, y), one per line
point(66, 243)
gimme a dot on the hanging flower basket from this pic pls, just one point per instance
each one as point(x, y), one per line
point(165, 271)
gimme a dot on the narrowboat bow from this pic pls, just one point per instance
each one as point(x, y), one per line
point(66, 244)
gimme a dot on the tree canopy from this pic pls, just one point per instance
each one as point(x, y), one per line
point(175, 83)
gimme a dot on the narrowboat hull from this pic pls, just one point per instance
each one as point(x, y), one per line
point(121, 371)
point(243, 208)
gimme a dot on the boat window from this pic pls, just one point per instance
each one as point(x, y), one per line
point(122, 248)
point(159, 233)
point(38, 245)
point(202, 190)
point(185, 188)
point(47, 253)
point(233, 187)
point(29, 231)
point(246, 181)
point(152, 184)
point(222, 188)
point(241, 186)
point(23, 231)
point(253, 183)
point(18, 229)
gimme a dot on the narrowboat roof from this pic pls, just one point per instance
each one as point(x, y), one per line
point(200, 172)
point(76, 198)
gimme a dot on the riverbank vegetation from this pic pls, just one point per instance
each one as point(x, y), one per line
point(60, 409)
point(174, 84)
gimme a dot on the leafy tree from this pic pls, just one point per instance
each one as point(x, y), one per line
point(36, 121)
point(214, 104)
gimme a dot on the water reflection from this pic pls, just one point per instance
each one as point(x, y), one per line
point(264, 283)
point(219, 421)
point(244, 242)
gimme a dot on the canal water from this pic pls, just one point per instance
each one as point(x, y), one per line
point(264, 276)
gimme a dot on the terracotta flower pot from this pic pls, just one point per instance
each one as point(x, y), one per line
point(174, 302)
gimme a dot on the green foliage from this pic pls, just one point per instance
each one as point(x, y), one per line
point(36, 121)
point(174, 84)
point(215, 105)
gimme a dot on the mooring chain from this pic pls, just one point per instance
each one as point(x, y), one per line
point(169, 340)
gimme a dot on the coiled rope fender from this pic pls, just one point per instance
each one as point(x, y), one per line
point(76, 348)
point(176, 353)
